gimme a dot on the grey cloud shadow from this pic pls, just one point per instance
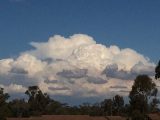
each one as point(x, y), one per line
point(79, 73)
point(58, 88)
point(14, 78)
point(96, 80)
point(50, 81)
point(117, 86)
point(113, 72)
point(18, 71)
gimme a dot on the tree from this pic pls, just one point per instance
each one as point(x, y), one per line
point(85, 108)
point(19, 108)
point(137, 115)
point(142, 89)
point(118, 103)
point(4, 108)
point(107, 106)
point(37, 100)
point(56, 108)
point(154, 105)
point(96, 110)
point(157, 71)
point(3, 96)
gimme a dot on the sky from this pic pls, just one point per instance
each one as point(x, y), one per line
point(62, 45)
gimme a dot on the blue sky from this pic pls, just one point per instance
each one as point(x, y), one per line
point(75, 67)
point(125, 23)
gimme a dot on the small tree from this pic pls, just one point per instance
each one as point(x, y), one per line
point(85, 108)
point(55, 107)
point(107, 106)
point(118, 103)
point(19, 108)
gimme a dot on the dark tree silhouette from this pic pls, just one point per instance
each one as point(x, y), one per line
point(118, 103)
point(19, 108)
point(157, 71)
point(56, 108)
point(4, 108)
point(85, 108)
point(107, 106)
point(37, 100)
point(154, 105)
point(142, 89)
point(3, 96)
point(96, 110)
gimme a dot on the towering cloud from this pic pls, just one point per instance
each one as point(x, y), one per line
point(59, 47)
point(74, 65)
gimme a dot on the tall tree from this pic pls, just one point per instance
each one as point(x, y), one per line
point(3, 96)
point(4, 109)
point(142, 90)
point(37, 100)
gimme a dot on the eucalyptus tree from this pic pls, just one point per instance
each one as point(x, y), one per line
point(37, 100)
point(142, 89)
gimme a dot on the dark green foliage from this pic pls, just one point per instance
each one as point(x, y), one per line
point(118, 103)
point(96, 110)
point(113, 106)
point(85, 108)
point(126, 111)
point(37, 100)
point(19, 108)
point(143, 85)
point(56, 108)
point(142, 89)
point(137, 115)
point(154, 105)
point(3, 96)
point(157, 71)
point(107, 106)
point(5, 112)
point(4, 108)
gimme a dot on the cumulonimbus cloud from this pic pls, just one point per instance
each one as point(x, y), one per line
point(74, 65)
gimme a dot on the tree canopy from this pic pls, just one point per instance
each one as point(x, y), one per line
point(37, 100)
point(4, 108)
point(142, 89)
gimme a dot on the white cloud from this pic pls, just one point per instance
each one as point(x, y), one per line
point(5, 65)
point(14, 88)
point(59, 47)
point(74, 66)
point(29, 63)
